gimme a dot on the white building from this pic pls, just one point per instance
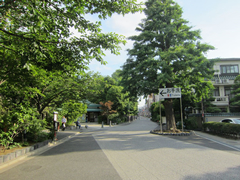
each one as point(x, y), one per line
point(227, 71)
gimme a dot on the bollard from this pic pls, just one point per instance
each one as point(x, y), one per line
point(110, 123)
point(102, 124)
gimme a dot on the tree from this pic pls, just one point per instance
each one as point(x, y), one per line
point(73, 110)
point(119, 98)
point(109, 89)
point(37, 50)
point(99, 86)
point(166, 53)
point(37, 33)
point(155, 111)
point(107, 109)
point(116, 76)
point(235, 101)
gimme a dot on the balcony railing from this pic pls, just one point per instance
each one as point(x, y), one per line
point(214, 114)
point(221, 100)
point(221, 77)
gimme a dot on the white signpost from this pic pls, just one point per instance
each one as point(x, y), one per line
point(170, 93)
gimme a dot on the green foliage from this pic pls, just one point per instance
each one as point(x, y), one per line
point(116, 118)
point(107, 109)
point(191, 123)
point(167, 53)
point(109, 89)
point(155, 111)
point(43, 65)
point(208, 106)
point(72, 110)
point(39, 136)
point(235, 101)
point(17, 119)
point(222, 128)
point(117, 76)
point(37, 34)
point(50, 135)
point(36, 128)
point(102, 118)
point(121, 100)
point(7, 138)
point(212, 126)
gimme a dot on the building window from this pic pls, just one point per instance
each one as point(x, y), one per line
point(228, 93)
point(216, 92)
point(229, 69)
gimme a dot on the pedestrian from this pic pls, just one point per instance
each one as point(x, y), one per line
point(64, 121)
point(78, 125)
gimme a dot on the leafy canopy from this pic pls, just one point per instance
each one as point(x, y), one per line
point(166, 53)
point(42, 64)
point(37, 33)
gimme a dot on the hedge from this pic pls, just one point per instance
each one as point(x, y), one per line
point(227, 129)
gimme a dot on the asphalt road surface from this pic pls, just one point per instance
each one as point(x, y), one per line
point(129, 152)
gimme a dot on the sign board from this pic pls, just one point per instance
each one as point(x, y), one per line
point(55, 116)
point(170, 92)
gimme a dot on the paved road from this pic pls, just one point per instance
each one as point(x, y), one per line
point(130, 152)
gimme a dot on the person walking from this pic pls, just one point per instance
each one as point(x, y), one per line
point(64, 121)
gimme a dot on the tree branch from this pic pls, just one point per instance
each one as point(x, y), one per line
point(27, 38)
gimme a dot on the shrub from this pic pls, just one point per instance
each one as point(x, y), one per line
point(154, 109)
point(102, 118)
point(222, 128)
point(191, 123)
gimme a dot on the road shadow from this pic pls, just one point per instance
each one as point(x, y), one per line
point(230, 173)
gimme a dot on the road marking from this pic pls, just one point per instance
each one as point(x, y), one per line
point(218, 142)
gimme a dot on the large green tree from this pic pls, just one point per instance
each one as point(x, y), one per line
point(166, 53)
point(40, 57)
point(37, 33)
point(109, 89)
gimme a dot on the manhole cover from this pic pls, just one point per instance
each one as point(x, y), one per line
point(30, 168)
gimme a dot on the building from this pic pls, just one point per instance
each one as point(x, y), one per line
point(227, 70)
point(93, 111)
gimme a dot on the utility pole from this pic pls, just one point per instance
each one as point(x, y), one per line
point(203, 116)
point(160, 114)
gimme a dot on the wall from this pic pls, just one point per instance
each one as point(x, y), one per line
point(219, 118)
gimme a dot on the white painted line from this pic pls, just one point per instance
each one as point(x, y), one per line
point(218, 142)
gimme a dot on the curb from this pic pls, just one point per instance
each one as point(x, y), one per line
point(171, 134)
point(31, 150)
point(219, 141)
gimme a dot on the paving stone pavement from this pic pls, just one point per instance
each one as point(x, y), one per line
point(127, 152)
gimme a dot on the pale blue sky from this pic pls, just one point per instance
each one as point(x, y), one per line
point(218, 20)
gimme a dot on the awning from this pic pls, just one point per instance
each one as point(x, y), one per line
point(94, 110)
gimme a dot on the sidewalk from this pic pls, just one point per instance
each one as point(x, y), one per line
point(231, 143)
point(61, 137)
point(234, 144)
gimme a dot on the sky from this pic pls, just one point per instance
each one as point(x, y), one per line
point(218, 21)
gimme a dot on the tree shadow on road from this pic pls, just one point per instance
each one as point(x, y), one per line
point(231, 173)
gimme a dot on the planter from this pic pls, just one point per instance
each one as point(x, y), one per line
point(170, 133)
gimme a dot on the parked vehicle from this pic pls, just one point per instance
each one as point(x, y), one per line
point(231, 120)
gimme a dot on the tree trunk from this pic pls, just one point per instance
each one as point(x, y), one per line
point(170, 118)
